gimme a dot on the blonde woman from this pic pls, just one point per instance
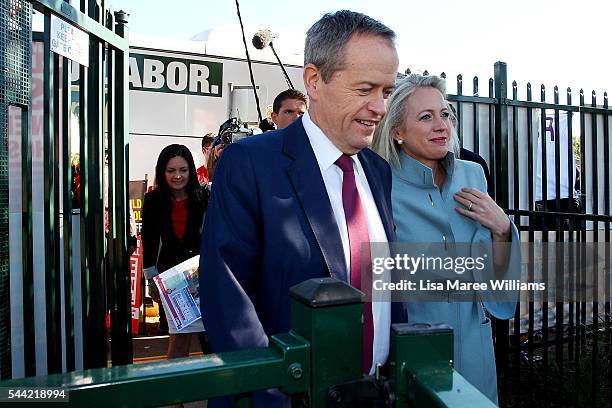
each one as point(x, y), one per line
point(437, 198)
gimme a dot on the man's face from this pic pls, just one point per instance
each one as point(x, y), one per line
point(352, 103)
point(290, 110)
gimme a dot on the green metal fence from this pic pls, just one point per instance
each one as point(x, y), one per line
point(102, 244)
point(310, 364)
point(14, 90)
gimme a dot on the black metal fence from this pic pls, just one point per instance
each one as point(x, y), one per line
point(550, 163)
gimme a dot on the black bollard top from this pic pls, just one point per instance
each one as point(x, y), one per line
point(323, 292)
point(417, 329)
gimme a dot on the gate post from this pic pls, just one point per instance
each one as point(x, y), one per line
point(119, 270)
point(15, 89)
point(424, 349)
point(420, 360)
point(95, 337)
point(500, 167)
point(335, 333)
point(502, 193)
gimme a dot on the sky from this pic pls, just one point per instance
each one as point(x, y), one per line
point(564, 43)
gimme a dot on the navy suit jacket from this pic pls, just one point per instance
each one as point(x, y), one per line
point(269, 226)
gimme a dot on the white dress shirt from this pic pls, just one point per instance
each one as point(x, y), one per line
point(326, 154)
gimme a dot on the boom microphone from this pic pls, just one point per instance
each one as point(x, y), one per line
point(262, 39)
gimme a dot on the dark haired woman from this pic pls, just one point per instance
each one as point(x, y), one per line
point(172, 219)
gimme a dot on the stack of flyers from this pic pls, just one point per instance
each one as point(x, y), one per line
point(179, 290)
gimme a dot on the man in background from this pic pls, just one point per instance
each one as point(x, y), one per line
point(287, 107)
point(202, 172)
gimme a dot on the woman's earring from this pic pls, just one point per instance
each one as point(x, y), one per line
point(399, 141)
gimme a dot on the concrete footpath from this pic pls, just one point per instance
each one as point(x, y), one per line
point(154, 348)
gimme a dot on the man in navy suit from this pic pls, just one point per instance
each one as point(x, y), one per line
point(276, 215)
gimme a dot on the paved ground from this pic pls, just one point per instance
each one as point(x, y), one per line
point(153, 348)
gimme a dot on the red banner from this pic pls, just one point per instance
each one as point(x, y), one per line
point(137, 189)
point(135, 276)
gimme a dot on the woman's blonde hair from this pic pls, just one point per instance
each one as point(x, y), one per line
point(383, 143)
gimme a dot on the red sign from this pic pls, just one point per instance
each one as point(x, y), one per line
point(137, 190)
point(135, 276)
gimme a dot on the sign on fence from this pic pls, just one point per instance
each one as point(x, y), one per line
point(69, 41)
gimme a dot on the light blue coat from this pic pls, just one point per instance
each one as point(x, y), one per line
point(424, 214)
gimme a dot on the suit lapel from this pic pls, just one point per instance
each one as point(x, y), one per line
point(309, 187)
point(378, 192)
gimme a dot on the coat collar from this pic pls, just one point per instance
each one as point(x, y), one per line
point(415, 172)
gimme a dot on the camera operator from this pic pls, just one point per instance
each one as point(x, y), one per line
point(202, 172)
point(229, 131)
point(212, 160)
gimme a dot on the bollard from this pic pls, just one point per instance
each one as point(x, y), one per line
point(328, 313)
point(420, 358)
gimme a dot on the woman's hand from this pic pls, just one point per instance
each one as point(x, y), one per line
point(480, 207)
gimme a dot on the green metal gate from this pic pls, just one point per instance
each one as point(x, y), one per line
point(312, 364)
point(101, 240)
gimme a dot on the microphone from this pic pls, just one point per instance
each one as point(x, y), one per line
point(262, 39)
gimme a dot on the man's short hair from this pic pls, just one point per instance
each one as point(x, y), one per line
point(288, 94)
point(327, 38)
point(207, 140)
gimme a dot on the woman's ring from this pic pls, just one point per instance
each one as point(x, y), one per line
point(470, 206)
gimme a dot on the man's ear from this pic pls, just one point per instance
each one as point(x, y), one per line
point(273, 117)
point(312, 80)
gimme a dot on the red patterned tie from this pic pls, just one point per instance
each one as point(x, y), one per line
point(359, 243)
